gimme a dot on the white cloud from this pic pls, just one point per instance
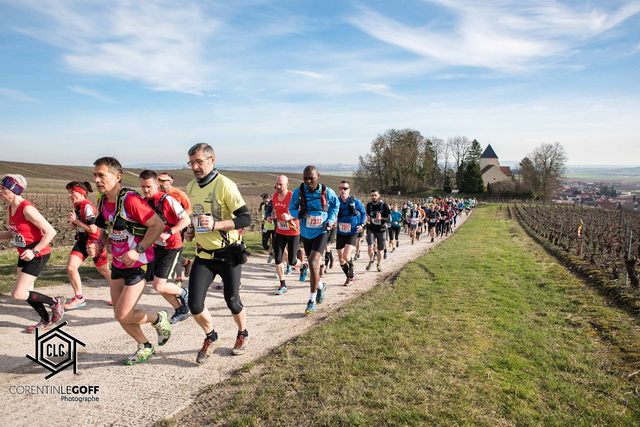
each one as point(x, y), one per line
point(159, 43)
point(503, 36)
point(16, 95)
point(311, 74)
point(93, 94)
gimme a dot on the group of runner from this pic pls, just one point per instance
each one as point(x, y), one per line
point(142, 232)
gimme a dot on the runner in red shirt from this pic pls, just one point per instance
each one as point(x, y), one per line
point(83, 219)
point(166, 184)
point(287, 233)
point(31, 234)
point(168, 247)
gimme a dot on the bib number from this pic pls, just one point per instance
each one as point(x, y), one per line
point(283, 225)
point(196, 223)
point(344, 227)
point(314, 221)
point(18, 240)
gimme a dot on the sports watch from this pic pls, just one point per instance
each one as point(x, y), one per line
point(140, 249)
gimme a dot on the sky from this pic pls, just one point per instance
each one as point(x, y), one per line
point(315, 81)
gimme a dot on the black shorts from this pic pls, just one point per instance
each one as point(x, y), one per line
point(346, 239)
point(332, 234)
point(35, 266)
point(432, 224)
point(131, 276)
point(292, 243)
point(380, 238)
point(164, 262)
point(318, 244)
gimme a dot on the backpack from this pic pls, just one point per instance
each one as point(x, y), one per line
point(302, 200)
point(159, 208)
point(120, 221)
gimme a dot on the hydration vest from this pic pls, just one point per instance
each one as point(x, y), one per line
point(120, 221)
point(302, 200)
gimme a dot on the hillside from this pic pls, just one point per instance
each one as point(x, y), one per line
point(43, 178)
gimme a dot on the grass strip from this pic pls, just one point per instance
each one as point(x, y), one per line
point(486, 329)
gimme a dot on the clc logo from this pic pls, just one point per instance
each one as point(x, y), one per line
point(56, 350)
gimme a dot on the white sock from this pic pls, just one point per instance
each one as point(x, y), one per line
point(312, 296)
point(321, 285)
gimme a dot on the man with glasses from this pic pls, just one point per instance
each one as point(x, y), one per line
point(377, 217)
point(218, 212)
point(316, 206)
point(351, 220)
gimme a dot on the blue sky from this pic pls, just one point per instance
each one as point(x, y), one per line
point(315, 81)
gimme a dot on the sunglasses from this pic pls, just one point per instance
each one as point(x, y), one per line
point(344, 188)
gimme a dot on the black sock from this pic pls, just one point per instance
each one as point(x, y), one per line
point(40, 309)
point(345, 269)
point(212, 336)
point(41, 298)
point(282, 283)
point(147, 345)
point(244, 333)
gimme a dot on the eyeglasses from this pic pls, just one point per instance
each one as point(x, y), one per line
point(344, 188)
point(164, 179)
point(198, 162)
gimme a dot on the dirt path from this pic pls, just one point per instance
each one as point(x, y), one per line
point(167, 382)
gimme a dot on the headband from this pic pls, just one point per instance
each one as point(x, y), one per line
point(12, 185)
point(80, 190)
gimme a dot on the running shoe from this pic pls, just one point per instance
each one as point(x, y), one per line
point(207, 348)
point(347, 282)
point(320, 294)
point(311, 307)
point(57, 310)
point(397, 243)
point(163, 327)
point(355, 257)
point(270, 258)
point(75, 303)
point(111, 303)
point(41, 325)
point(181, 313)
point(303, 271)
point(187, 268)
point(240, 347)
point(369, 265)
point(432, 240)
point(287, 270)
point(140, 356)
point(379, 268)
point(393, 250)
point(281, 290)
point(352, 281)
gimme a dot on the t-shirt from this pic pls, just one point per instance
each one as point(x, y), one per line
point(281, 207)
point(172, 211)
point(86, 213)
point(220, 198)
point(122, 241)
point(377, 226)
point(25, 234)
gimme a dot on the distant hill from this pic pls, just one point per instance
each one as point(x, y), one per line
point(43, 178)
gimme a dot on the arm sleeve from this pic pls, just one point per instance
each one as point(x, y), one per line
point(242, 217)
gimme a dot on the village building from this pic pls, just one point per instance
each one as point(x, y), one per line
point(492, 172)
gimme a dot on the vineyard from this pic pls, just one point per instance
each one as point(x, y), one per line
point(601, 244)
point(56, 207)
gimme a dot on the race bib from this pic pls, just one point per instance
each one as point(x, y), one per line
point(117, 236)
point(432, 220)
point(196, 223)
point(414, 220)
point(344, 227)
point(375, 221)
point(314, 221)
point(283, 225)
point(18, 240)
